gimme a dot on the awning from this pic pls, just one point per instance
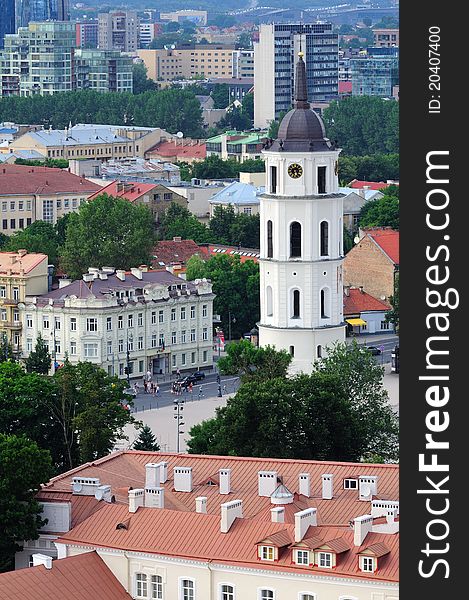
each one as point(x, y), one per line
point(354, 322)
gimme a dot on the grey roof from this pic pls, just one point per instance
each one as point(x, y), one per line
point(239, 194)
point(57, 137)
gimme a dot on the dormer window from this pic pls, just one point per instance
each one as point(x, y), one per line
point(302, 557)
point(367, 564)
point(267, 553)
point(350, 484)
point(325, 560)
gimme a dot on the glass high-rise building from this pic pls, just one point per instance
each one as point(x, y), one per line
point(7, 19)
point(28, 11)
point(376, 72)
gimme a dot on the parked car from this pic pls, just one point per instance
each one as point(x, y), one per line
point(199, 375)
point(374, 350)
point(186, 381)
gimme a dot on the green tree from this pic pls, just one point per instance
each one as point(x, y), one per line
point(57, 163)
point(252, 363)
point(361, 380)
point(220, 225)
point(235, 119)
point(61, 229)
point(383, 212)
point(38, 237)
point(274, 126)
point(24, 468)
point(236, 286)
point(392, 316)
point(3, 240)
point(146, 440)
point(39, 360)
point(107, 231)
point(179, 221)
point(221, 95)
point(244, 41)
point(378, 167)
point(6, 349)
point(141, 82)
point(305, 417)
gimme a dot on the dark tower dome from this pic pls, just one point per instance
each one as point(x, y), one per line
point(301, 129)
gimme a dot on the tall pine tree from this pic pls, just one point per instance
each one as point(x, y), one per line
point(39, 360)
point(146, 440)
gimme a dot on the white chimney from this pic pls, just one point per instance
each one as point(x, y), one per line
point(163, 472)
point(182, 479)
point(367, 486)
point(136, 272)
point(304, 484)
point(391, 515)
point(136, 498)
point(152, 475)
point(103, 492)
point(88, 277)
point(85, 486)
point(379, 508)
point(225, 481)
point(277, 514)
point(120, 274)
point(201, 504)
point(361, 527)
point(154, 497)
point(303, 520)
point(229, 512)
point(327, 486)
point(64, 282)
point(267, 483)
point(42, 559)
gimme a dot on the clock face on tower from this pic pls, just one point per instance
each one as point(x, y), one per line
point(295, 170)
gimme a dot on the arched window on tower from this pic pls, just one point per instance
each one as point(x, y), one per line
point(324, 238)
point(295, 240)
point(269, 301)
point(325, 302)
point(270, 241)
point(273, 180)
point(296, 304)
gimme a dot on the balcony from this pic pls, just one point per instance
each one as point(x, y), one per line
point(8, 302)
point(13, 325)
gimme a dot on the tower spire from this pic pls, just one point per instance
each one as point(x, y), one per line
point(301, 90)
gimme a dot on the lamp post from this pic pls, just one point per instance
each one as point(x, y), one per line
point(178, 408)
point(230, 319)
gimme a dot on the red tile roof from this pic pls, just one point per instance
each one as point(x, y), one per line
point(359, 301)
point(169, 149)
point(171, 252)
point(26, 180)
point(78, 577)
point(372, 185)
point(82, 506)
point(123, 469)
point(387, 240)
point(131, 192)
point(198, 537)
point(15, 262)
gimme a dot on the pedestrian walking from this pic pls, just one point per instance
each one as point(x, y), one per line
point(224, 389)
point(145, 386)
point(157, 389)
point(200, 392)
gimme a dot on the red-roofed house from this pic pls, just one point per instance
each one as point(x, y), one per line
point(371, 185)
point(209, 250)
point(373, 263)
point(175, 252)
point(364, 313)
point(156, 196)
point(29, 193)
point(177, 150)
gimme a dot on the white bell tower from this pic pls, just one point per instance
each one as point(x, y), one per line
point(301, 216)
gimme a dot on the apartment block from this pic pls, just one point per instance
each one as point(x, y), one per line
point(385, 38)
point(118, 30)
point(103, 71)
point(7, 19)
point(243, 64)
point(87, 34)
point(375, 73)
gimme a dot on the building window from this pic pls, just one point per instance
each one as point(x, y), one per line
point(121, 368)
point(57, 347)
point(324, 303)
point(205, 356)
point(153, 317)
point(295, 240)
point(48, 211)
point(173, 360)
point(183, 336)
point(269, 301)
point(319, 351)
point(192, 312)
point(130, 320)
point(325, 560)
point(153, 340)
point(73, 348)
point(92, 324)
point(108, 323)
point(183, 359)
point(324, 238)
point(385, 324)
point(205, 333)
point(173, 338)
point(140, 319)
point(120, 322)
point(141, 585)
point(267, 553)
point(16, 293)
point(3, 291)
point(307, 596)
point(73, 324)
point(130, 344)
point(109, 348)
point(91, 350)
point(140, 342)
point(160, 316)
point(45, 322)
point(350, 484)
point(187, 589)
point(296, 304)
point(29, 321)
point(266, 595)
point(273, 180)
point(173, 314)
point(29, 345)
point(227, 592)
point(292, 350)
point(156, 581)
point(193, 337)
point(204, 310)
point(270, 243)
point(183, 312)
point(321, 180)
point(302, 557)
point(120, 346)
point(367, 564)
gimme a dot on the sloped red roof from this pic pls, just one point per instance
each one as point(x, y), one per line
point(359, 301)
point(372, 185)
point(197, 536)
point(129, 193)
point(78, 577)
point(172, 251)
point(387, 240)
point(16, 263)
point(26, 180)
point(82, 506)
point(169, 149)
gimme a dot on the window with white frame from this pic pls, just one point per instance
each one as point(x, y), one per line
point(3, 291)
point(302, 557)
point(367, 564)
point(183, 336)
point(120, 346)
point(120, 322)
point(306, 596)
point(45, 322)
point(161, 339)
point(16, 293)
point(57, 323)
point(192, 335)
point(92, 324)
point(130, 320)
point(183, 312)
point(156, 587)
point(350, 484)
point(140, 342)
point(73, 324)
point(266, 594)
point(385, 325)
point(16, 316)
point(3, 314)
point(153, 340)
point(325, 560)
point(90, 350)
point(153, 317)
point(29, 345)
point(160, 316)
point(73, 348)
point(267, 553)
point(130, 344)
point(29, 321)
point(109, 347)
point(141, 585)
point(108, 323)
point(173, 337)
point(192, 312)
point(140, 319)
point(226, 592)
point(173, 360)
point(193, 359)
point(187, 589)
point(183, 359)
point(205, 333)
point(173, 314)
point(204, 310)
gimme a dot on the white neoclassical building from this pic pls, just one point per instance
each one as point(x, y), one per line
point(141, 319)
point(301, 237)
